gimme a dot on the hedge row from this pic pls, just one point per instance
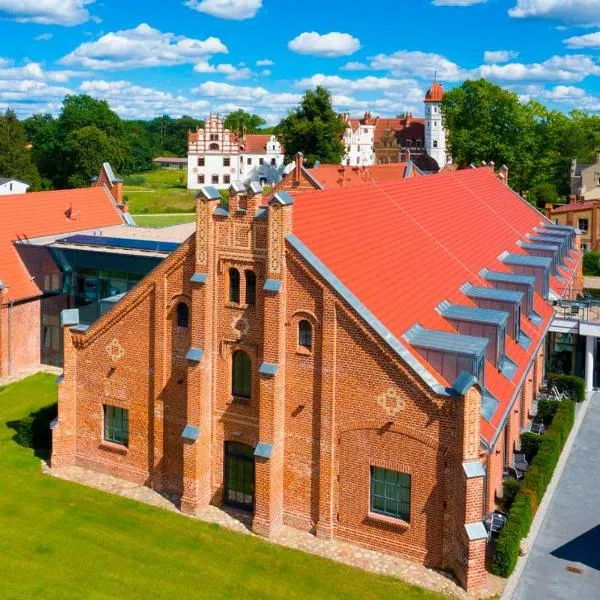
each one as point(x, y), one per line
point(571, 384)
point(532, 489)
point(546, 410)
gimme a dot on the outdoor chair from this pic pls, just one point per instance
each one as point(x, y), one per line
point(558, 395)
point(513, 473)
point(520, 463)
point(537, 427)
point(494, 523)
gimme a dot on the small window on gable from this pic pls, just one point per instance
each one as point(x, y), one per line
point(183, 315)
point(234, 286)
point(305, 334)
point(250, 287)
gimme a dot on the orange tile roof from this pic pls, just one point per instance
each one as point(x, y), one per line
point(435, 93)
point(44, 213)
point(403, 247)
point(574, 206)
point(256, 143)
point(332, 176)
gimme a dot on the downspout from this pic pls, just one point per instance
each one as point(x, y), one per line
point(8, 337)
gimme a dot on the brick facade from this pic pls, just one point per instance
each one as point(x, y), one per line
point(19, 336)
point(328, 414)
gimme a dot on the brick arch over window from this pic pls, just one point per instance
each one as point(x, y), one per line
point(393, 428)
point(242, 438)
point(175, 303)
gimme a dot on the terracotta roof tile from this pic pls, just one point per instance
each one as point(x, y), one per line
point(46, 213)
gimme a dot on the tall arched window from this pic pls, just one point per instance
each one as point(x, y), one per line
point(241, 374)
point(305, 334)
point(183, 315)
point(234, 285)
point(250, 287)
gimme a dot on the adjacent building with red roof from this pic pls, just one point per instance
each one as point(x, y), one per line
point(356, 362)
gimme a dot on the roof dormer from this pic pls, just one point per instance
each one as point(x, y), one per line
point(516, 283)
point(538, 266)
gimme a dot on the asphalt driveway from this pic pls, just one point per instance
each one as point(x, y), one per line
point(564, 562)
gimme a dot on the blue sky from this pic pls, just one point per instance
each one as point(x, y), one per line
point(148, 57)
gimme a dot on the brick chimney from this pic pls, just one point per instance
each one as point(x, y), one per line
point(254, 197)
point(298, 170)
point(237, 197)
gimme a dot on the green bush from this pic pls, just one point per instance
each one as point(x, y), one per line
point(571, 384)
point(591, 263)
point(530, 443)
point(546, 410)
point(510, 489)
point(516, 528)
point(533, 487)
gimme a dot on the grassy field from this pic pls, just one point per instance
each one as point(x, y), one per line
point(164, 220)
point(160, 191)
point(61, 540)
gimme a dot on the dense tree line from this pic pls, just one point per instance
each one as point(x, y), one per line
point(488, 123)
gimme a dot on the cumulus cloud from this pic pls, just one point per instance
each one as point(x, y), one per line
point(33, 71)
point(499, 56)
point(142, 46)
point(414, 64)
point(328, 45)
point(564, 96)
point(265, 62)
point(457, 2)
point(571, 68)
point(237, 10)
point(365, 84)
point(590, 40)
point(580, 12)
point(43, 37)
point(47, 12)
point(257, 96)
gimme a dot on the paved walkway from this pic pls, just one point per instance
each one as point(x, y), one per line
point(343, 552)
point(564, 561)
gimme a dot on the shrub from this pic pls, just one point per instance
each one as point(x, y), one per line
point(510, 489)
point(591, 263)
point(546, 410)
point(530, 443)
point(516, 528)
point(571, 384)
point(533, 487)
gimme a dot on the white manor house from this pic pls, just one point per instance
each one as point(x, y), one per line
point(218, 157)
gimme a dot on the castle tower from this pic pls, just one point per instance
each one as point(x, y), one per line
point(435, 134)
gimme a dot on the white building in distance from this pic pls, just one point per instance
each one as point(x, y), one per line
point(359, 140)
point(218, 157)
point(10, 187)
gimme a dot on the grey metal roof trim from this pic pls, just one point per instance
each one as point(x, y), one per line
point(263, 450)
point(210, 193)
point(283, 198)
point(199, 278)
point(194, 354)
point(565, 228)
point(498, 294)
point(476, 531)
point(456, 343)
point(540, 246)
point(489, 405)
point(255, 187)
point(473, 469)
point(109, 172)
point(464, 382)
point(69, 317)
point(238, 187)
point(190, 433)
point(474, 314)
point(312, 178)
point(387, 336)
point(221, 210)
point(528, 261)
point(509, 278)
point(268, 369)
point(272, 285)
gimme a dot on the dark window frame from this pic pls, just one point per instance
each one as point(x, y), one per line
point(183, 315)
point(250, 287)
point(305, 334)
point(234, 285)
point(241, 375)
point(116, 425)
point(390, 493)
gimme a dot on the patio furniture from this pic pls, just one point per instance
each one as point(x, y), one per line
point(513, 473)
point(558, 395)
point(537, 427)
point(494, 523)
point(520, 463)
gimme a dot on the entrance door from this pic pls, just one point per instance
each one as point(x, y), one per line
point(239, 475)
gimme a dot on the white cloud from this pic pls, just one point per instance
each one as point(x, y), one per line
point(457, 2)
point(257, 96)
point(43, 37)
point(231, 72)
point(499, 56)
point(142, 46)
point(265, 62)
point(590, 40)
point(581, 12)
point(568, 68)
point(416, 64)
point(365, 84)
point(328, 45)
point(47, 12)
point(30, 91)
point(237, 10)
point(564, 96)
point(33, 71)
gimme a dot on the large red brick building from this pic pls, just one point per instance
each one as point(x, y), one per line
point(357, 363)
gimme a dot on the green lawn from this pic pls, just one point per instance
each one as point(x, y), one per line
point(164, 220)
point(62, 540)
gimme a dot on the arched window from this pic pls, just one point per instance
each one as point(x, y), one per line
point(183, 315)
point(213, 146)
point(234, 285)
point(241, 374)
point(305, 334)
point(250, 287)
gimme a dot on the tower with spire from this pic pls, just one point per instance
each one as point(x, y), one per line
point(435, 134)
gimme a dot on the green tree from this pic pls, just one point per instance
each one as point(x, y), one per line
point(15, 157)
point(542, 194)
point(314, 129)
point(82, 111)
point(86, 149)
point(42, 133)
point(240, 119)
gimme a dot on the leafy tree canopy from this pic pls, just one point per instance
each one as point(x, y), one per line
point(240, 119)
point(313, 128)
point(15, 157)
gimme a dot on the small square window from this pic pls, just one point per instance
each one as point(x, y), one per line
point(116, 425)
point(249, 161)
point(583, 224)
point(201, 162)
point(226, 179)
point(273, 162)
point(261, 161)
point(201, 179)
point(226, 161)
point(215, 179)
point(390, 493)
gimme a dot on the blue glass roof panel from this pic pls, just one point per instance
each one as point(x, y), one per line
point(112, 242)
